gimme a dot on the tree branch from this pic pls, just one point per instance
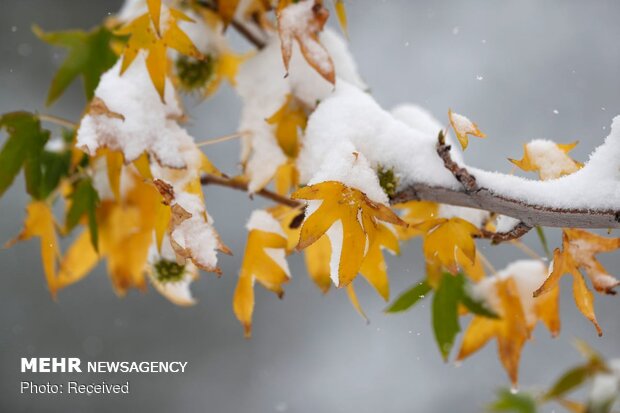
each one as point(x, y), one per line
point(209, 179)
point(474, 196)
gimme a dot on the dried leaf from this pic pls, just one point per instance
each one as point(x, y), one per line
point(302, 21)
point(549, 159)
point(463, 127)
point(578, 252)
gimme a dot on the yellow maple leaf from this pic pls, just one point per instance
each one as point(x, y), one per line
point(145, 34)
point(578, 252)
point(462, 127)
point(259, 266)
point(40, 223)
point(304, 24)
point(548, 158)
point(316, 256)
point(415, 212)
point(513, 329)
point(343, 204)
point(444, 237)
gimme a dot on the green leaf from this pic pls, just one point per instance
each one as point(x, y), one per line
point(89, 56)
point(84, 201)
point(474, 305)
point(570, 380)
point(409, 298)
point(55, 166)
point(23, 148)
point(445, 312)
point(514, 402)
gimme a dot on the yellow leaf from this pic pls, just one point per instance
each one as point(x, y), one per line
point(317, 258)
point(341, 13)
point(226, 9)
point(445, 237)
point(549, 159)
point(154, 7)
point(286, 177)
point(290, 119)
point(143, 37)
point(343, 204)
point(143, 165)
point(355, 302)
point(373, 268)
point(259, 266)
point(511, 331)
point(40, 223)
point(463, 127)
point(114, 162)
point(578, 252)
point(415, 212)
point(78, 261)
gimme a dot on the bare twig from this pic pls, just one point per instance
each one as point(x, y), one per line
point(461, 174)
point(209, 179)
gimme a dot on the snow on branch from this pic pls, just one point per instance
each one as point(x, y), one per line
point(405, 141)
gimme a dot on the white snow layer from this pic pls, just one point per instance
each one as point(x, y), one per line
point(149, 125)
point(350, 120)
point(551, 161)
point(263, 87)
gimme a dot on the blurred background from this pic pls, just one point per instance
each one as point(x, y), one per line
point(521, 70)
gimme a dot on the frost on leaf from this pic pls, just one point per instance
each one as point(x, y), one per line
point(155, 35)
point(509, 293)
point(548, 158)
point(353, 215)
point(263, 261)
point(578, 254)
point(463, 127)
point(302, 21)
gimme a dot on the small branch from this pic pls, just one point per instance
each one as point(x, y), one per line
point(461, 174)
point(496, 237)
point(209, 179)
point(58, 121)
point(237, 25)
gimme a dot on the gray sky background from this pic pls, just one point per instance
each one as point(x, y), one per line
point(507, 64)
